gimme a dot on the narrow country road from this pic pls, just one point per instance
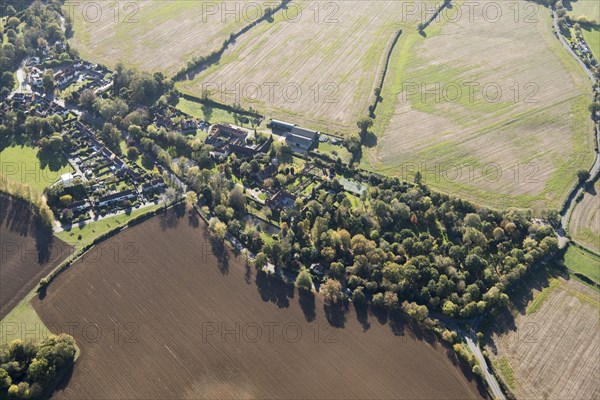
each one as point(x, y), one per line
point(570, 203)
point(472, 344)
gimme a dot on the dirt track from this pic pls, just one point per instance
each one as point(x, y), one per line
point(27, 252)
point(157, 315)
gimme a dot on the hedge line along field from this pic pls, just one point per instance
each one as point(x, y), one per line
point(317, 64)
point(584, 225)
point(550, 348)
point(153, 35)
point(172, 320)
point(28, 252)
point(493, 112)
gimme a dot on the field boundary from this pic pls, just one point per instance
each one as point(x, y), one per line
point(198, 64)
point(378, 88)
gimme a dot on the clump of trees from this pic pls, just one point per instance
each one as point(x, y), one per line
point(31, 370)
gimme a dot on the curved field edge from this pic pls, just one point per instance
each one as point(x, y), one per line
point(584, 220)
point(23, 322)
point(546, 346)
point(221, 290)
point(551, 190)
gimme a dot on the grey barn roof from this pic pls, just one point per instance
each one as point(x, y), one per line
point(306, 133)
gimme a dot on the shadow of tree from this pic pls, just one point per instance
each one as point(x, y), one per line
point(273, 289)
point(306, 299)
point(362, 315)
point(336, 313)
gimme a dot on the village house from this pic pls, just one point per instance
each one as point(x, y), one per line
point(116, 197)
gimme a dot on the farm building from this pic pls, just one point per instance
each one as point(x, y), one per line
point(299, 139)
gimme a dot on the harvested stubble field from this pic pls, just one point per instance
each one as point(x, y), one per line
point(28, 252)
point(153, 35)
point(550, 347)
point(584, 224)
point(163, 316)
point(317, 64)
point(495, 112)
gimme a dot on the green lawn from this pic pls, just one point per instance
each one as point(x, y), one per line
point(335, 151)
point(583, 262)
point(92, 230)
point(592, 37)
point(216, 115)
point(21, 164)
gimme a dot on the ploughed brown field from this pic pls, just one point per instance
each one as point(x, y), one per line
point(158, 315)
point(28, 252)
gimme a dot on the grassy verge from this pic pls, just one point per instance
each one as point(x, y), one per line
point(82, 235)
point(23, 323)
point(583, 262)
point(506, 370)
point(539, 299)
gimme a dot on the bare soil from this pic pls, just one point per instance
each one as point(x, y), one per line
point(160, 312)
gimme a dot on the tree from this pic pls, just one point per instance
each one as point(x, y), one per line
point(218, 229)
point(237, 201)
point(48, 81)
point(261, 261)
point(5, 379)
point(133, 153)
point(191, 199)
point(331, 290)
point(583, 175)
point(87, 99)
point(304, 280)
point(7, 80)
point(364, 124)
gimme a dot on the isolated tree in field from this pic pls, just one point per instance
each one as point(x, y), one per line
point(331, 290)
point(583, 175)
point(364, 124)
point(304, 280)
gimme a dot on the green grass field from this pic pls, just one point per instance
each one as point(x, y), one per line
point(21, 164)
point(92, 230)
point(583, 262)
point(592, 37)
point(23, 323)
point(216, 114)
point(587, 8)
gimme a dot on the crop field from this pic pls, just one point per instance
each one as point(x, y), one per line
point(493, 112)
point(552, 350)
point(169, 319)
point(27, 252)
point(584, 224)
point(316, 65)
point(153, 35)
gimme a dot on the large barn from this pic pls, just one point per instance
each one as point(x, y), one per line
point(299, 139)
